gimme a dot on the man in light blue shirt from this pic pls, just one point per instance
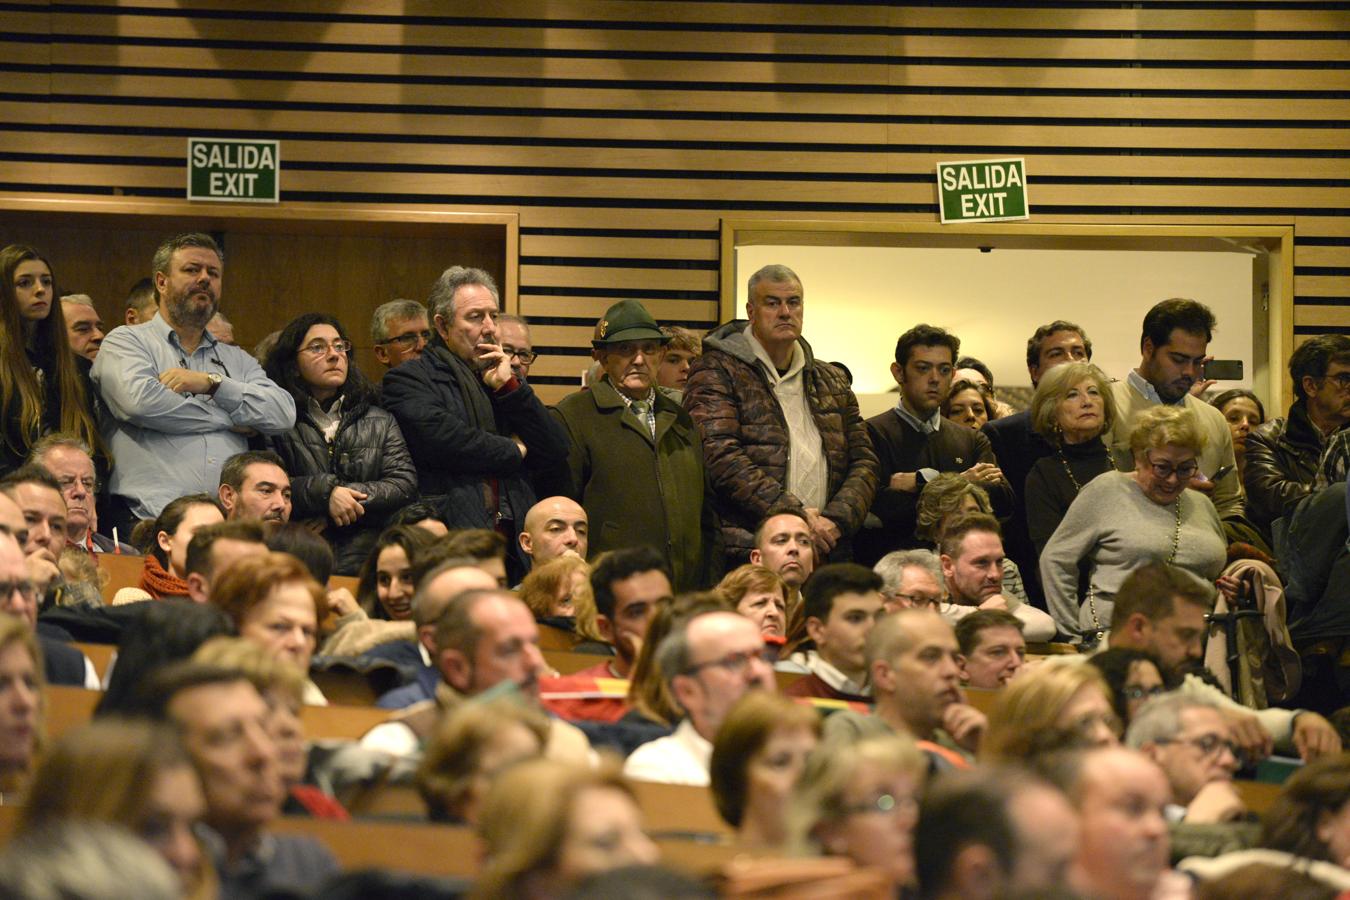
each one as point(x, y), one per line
point(181, 402)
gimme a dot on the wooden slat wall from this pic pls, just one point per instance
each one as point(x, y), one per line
point(621, 132)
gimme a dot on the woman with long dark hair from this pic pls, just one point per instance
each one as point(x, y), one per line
point(43, 385)
point(348, 463)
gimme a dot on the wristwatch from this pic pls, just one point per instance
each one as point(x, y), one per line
point(214, 379)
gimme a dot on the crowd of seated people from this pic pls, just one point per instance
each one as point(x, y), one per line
point(955, 649)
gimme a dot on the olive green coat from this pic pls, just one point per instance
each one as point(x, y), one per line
point(637, 490)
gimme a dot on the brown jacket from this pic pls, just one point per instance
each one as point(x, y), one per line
point(745, 440)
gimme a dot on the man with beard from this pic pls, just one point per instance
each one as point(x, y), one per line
point(182, 402)
point(475, 430)
point(1174, 347)
point(254, 485)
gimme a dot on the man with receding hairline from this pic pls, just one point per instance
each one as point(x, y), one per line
point(916, 682)
point(485, 638)
point(709, 661)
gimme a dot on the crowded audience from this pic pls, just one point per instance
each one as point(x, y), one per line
point(956, 649)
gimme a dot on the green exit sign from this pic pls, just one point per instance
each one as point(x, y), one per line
point(234, 171)
point(983, 190)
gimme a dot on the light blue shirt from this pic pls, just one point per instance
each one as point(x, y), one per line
point(1140, 384)
point(163, 444)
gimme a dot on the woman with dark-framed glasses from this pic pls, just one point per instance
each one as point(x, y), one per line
point(348, 463)
point(1121, 520)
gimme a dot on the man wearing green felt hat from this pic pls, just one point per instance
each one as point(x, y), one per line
point(635, 459)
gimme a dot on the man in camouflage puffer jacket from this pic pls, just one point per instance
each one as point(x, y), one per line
point(781, 430)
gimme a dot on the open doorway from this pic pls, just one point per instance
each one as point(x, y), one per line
point(993, 285)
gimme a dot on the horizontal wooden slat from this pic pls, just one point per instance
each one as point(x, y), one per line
point(1322, 285)
point(1251, 46)
point(1257, 17)
point(1328, 316)
point(690, 99)
point(690, 163)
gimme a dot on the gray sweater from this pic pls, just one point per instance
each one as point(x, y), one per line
point(1113, 526)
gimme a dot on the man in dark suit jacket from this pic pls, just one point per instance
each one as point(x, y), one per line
point(1017, 447)
point(474, 429)
point(914, 443)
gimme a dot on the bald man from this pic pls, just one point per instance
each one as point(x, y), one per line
point(554, 526)
point(912, 661)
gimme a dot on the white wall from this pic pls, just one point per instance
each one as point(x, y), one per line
point(860, 299)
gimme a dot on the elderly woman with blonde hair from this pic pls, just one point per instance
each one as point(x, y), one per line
point(860, 800)
point(1072, 408)
point(546, 825)
point(1061, 704)
point(1123, 519)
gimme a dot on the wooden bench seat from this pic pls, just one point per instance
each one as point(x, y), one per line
point(70, 707)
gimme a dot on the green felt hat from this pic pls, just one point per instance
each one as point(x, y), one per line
point(627, 320)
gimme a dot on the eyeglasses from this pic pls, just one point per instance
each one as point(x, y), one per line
point(1342, 380)
point(1186, 471)
point(882, 803)
point(916, 601)
point(25, 588)
point(525, 356)
point(1207, 744)
point(321, 348)
point(67, 482)
point(736, 663)
point(409, 340)
point(1134, 692)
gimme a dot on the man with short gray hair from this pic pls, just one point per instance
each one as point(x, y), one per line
point(400, 331)
point(71, 463)
point(911, 579)
point(475, 430)
point(781, 430)
point(84, 326)
point(710, 661)
point(1190, 741)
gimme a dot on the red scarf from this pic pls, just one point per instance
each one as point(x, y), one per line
point(159, 583)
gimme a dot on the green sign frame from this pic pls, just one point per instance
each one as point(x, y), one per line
point(983, 190)
point(225, 170)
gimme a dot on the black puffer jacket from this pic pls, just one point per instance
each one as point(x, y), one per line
point(368, 454)
point(1282, 459)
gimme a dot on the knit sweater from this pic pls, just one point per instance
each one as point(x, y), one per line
point(1118, 529)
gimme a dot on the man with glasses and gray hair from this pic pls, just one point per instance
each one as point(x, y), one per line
point(1190, 741)
point(911, 579)
point(514, 333)
point(68, 459)
point(710, 661)
point(400, 331)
